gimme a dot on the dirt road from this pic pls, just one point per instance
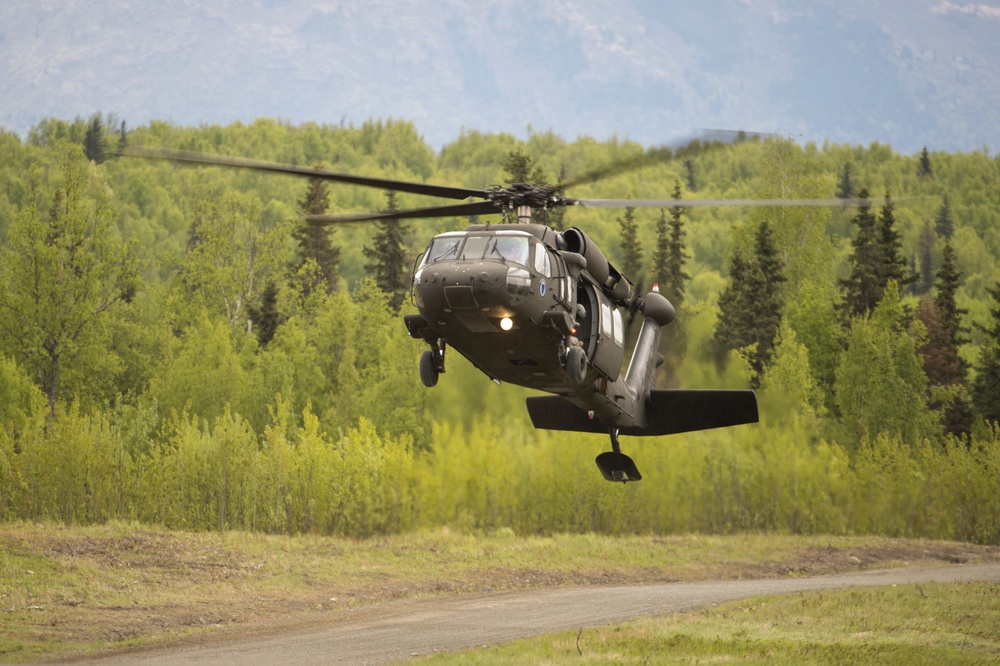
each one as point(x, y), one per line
point(399, 630)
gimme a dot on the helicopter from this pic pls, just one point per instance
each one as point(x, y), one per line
point(540, 308)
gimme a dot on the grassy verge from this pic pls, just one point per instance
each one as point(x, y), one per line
point(66, 591)
point(907, 624)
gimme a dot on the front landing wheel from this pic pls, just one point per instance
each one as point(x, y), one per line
point(428, 369)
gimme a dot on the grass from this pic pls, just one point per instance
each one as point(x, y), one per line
point(77, 590)
point(907, 624)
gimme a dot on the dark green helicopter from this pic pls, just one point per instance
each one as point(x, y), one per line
point(539, 308)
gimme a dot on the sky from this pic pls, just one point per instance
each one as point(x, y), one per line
point(908, 73)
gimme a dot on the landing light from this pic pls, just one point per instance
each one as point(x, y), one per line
point(506, 323)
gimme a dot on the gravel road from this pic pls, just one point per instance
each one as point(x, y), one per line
point(398, 630)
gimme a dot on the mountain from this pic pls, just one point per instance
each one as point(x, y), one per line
point(909, 73)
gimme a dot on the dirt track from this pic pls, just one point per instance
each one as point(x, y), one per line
point(398, 630)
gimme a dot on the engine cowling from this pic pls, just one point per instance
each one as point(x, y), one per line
point(577, 241)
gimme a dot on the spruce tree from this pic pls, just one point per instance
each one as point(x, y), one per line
point(892, 265)
point(661, 251)
point(388, 255)
point(948, 281)
point(845, 188)
point(93, 140)
point(631, 247)
point(677, 279)
point(986, 386)
point(689, 170)
point(750, 306)
point(315, 242)
point(924, 169)
point(266, 316)
point(862, 288)
point(943, 224)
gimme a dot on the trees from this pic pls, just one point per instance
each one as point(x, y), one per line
point(943, 223)
point(862, 288)
point(93, 140)
point(891, 265)
point(924, 169)
point(231, 258)
point(631, 247)
point(750, 306)
point(845, 188)
point(388, 256)
point(315, 242)
point(986, 385)
point(63, 276)
point(880, 382)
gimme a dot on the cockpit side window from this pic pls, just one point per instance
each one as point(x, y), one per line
point(542, 263)
point(509, 248)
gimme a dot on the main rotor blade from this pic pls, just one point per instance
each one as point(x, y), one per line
point(698, 141)
point(454, 210)
point(309, 172)
point(697, 203)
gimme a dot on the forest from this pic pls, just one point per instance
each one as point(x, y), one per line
point(179, 348)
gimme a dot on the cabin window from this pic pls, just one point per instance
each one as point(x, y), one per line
point(619, 328)
point(606, 326)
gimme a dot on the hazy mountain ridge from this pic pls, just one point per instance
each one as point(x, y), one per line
point(904, 73)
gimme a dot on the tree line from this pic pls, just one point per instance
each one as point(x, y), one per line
point(177, 346)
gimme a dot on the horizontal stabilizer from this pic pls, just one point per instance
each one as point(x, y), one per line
point(668, 412)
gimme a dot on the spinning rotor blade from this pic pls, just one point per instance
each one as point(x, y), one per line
point(454, 210)
point(699, 141)
point(698, 203)
point(259, 165)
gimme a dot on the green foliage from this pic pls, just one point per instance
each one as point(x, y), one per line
point(880, 382)
point(62, 278)
point(220, 392)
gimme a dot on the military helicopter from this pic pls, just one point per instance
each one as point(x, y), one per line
point(543, 309)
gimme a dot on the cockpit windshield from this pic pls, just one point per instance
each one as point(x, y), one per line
point(501, 247)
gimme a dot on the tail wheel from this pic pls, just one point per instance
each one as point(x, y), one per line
point(576, 365)
point(428, 369)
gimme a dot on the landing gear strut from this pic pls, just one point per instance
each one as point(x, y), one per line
point(615, 465)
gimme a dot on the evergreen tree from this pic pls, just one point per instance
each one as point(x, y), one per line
point(750, 306)
point(266, 316)
point(388, 254)
point(986, 386)
point(631, 247)
point(677, 279)
point(943, 223)
point(943, 366)
point(892, 265)
point(93, 140)
point(692, 185)
point(948, 281)
point(315, 242)
point(845, 188)
point(122, 138)
point(661, 252)
point(924, 169)
point(925, 260)
point(862, 288)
